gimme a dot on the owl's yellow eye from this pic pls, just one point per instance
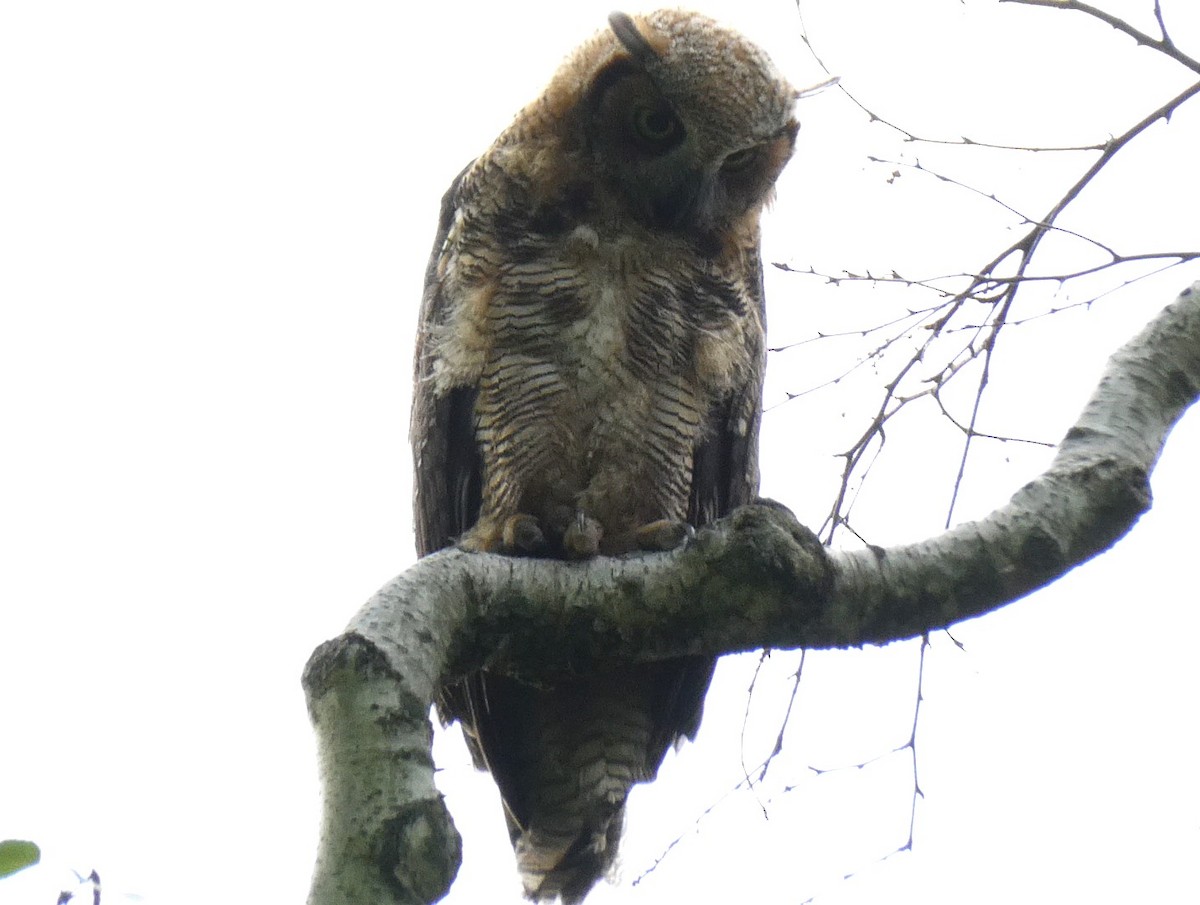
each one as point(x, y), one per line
point(739, 160)
point(655, 125)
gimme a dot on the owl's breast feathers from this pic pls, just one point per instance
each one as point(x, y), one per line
point(599, 348)
point(557, 283)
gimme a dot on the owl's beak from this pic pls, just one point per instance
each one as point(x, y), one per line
point(687, 202)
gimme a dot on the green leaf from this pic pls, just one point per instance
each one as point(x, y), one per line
point(16, 854)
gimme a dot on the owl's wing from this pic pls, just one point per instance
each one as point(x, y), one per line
point(447, 490)
point(447, 464)
point(724, 477)
point(448, 468)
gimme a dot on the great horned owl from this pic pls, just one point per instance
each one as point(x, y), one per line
point(588, 381)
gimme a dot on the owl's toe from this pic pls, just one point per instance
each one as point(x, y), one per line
point(663, 534)
point(517, 535)
point(523, 534)
point(581, 540)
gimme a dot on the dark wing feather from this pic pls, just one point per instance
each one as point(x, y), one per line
point(446, 489)
point(447, 464)
point(724, 477)
point(446, 502)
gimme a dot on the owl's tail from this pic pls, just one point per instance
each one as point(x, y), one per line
point(565, 757)
point(592, 741)
point(568, 863)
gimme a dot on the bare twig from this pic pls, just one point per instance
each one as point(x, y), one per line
point(994, 285)
point(1163, 45)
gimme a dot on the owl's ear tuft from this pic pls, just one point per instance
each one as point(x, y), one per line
point(633, 40)
point(818, 88)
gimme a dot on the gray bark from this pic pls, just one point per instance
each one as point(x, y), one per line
point(757, 579)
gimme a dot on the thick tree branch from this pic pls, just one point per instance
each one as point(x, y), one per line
point(757, 579)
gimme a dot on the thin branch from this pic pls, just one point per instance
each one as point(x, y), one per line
point(1029, 243)
point(777, 749)
point(1163, 45)
point(985, 283)
point(971, 433)
point(1162, 26)
point(911, 315)
point(996, 283)
point(989, 196)
point(966, 430)
point(911, 136)
point(873, 355)
point(912, 742)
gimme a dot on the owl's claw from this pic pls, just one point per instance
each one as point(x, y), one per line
point(581, 540)
point(522, 534)
point(663, 535)
point(517, 535)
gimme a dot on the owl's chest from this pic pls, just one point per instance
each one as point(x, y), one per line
point(595, 312)
point(588, 320)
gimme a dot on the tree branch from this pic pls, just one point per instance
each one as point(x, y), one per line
point(756, 579)
point(1163, 45)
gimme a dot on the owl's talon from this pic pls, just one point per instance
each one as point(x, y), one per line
point(663, 535)
point(522, 534)
point(480, 539)
point(581, 540)
point(518, 534)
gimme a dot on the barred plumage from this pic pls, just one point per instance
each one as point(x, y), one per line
point(588, 379)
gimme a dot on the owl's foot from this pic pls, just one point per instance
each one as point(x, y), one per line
point(523, 534)
point(581, 540)
point(518, 534)
point(663, 535)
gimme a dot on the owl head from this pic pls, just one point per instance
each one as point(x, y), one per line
point(684, 121)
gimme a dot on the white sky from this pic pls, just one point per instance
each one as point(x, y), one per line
point(213, 225)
